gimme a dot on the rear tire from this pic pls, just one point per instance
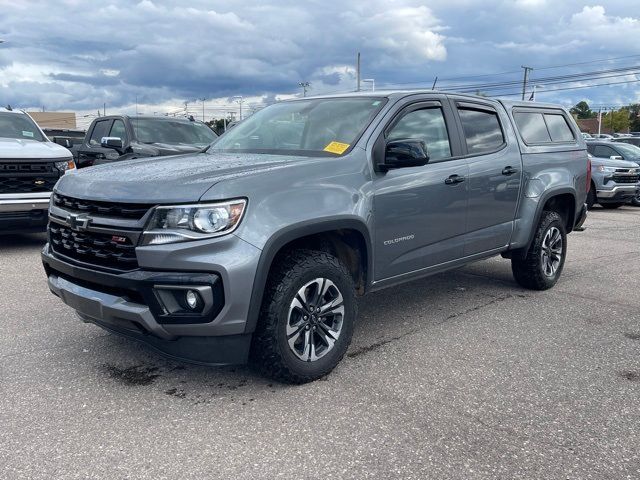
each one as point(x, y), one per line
point(592, 199)
point(611, 206)
point(542, 267)
point(301, 335)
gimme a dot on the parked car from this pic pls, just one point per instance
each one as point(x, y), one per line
point(120, 137)
point(630, 140)
point(586, 136)
point(257, 247)
point(602, 136)
point(616, 174)
point(30, 165)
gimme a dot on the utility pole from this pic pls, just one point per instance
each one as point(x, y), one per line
point(524, 80)
point(599, 122)
point(203, 99)
point(104, 109)
point(433, 87)
point(136, 105)
point(358, 72)
point(304, 86)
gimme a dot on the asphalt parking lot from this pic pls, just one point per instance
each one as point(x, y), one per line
point(461, 375)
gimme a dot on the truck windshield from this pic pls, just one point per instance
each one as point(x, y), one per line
point(150, 130)
point(19, 125)
point(321, 127)
point(629, 151)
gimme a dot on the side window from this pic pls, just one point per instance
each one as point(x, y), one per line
point(427, 125)
point(603, 151)
point(482, 130)
point(118, 130)
point(558, 128)
point(100, 130)
point(532, 127)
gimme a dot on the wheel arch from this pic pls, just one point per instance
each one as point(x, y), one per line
point(561, 200)
point(322, 235)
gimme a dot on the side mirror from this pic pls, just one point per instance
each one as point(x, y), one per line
point(403, 153)
point(615, 157)
point(111, 142)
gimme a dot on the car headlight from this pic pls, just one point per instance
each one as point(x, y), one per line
point(181, 223)
point(65, 165)
point(602, 168)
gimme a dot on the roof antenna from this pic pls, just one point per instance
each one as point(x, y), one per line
point(9, 108)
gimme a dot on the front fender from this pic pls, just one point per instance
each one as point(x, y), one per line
point(293, 232)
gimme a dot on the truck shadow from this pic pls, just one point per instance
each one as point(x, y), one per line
point(385, 317)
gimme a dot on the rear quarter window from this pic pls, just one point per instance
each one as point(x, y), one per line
point(543, 127)
point(532, 127)
point(558, 128)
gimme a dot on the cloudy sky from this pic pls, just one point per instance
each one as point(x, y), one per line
point(78, 55)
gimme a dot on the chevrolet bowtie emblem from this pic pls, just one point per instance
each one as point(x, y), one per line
point(78, 222)
point(39, 182)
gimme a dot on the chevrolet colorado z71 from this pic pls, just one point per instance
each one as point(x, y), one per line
point(258, 247)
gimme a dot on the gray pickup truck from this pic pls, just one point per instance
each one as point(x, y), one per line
point(258, 247)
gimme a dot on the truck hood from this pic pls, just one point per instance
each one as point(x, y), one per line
point(173, 179)
point(614, 163)
point(15, 148)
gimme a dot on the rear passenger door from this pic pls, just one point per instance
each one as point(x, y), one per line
point(495, 175)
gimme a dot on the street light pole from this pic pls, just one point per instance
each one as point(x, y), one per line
point(239, 97)
point(203, 100)
point(304, 86)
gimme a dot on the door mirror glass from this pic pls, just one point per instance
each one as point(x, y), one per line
point(111, 142)
point(405, 152)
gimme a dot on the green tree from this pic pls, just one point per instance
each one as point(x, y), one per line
point(617, 120)
point(634, 117)
point(582, 110)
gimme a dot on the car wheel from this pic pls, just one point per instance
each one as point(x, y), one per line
point(636, 201)
point(592, 199)
point(543, 264)
point(307, 318)
point(611, 206)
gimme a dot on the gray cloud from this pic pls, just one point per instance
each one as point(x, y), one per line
point(77, 55)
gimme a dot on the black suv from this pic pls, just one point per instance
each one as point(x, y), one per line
point(120, 137)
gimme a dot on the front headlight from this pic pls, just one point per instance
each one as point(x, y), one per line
point(181, 223)
point(65, 165)
point(602, 168)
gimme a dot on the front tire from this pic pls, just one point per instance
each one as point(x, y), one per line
point(307, 318)
point(542, 267)
point(636, 201)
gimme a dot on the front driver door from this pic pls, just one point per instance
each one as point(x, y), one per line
point(420, 212)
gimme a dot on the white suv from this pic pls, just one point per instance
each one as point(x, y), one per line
point(30, 165)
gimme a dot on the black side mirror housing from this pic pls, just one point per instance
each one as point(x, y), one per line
point(404, 153)
point(111, 142)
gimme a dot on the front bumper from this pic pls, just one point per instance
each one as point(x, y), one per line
point(620, 193)
point(127, 304)
point(22, 213)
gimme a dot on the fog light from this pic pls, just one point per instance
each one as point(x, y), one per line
point(192, 299)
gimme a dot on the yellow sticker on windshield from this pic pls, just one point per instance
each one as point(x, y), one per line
point(336, 147)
